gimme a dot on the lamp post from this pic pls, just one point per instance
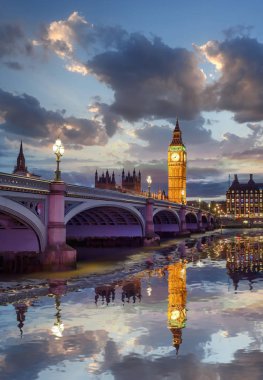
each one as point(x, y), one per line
point(149, 181)
point(58, 150)
point(182, 193)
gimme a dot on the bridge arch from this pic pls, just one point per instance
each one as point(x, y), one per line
point(166, 221)
point(204, 219)
point(191, 221)
point(115, 217)
point(13, 214)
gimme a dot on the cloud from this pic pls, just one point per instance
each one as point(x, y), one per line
point(13, 65)
point(13, 42)
point(239, 88)
point(109, 118)
point(150, 79)
point(233, 144)
point(66, 37)
point(238, 30)
point(197, 173)
point(23, 115)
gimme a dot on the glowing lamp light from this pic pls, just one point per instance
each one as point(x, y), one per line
point(149, 181)
point(58, 150)
point(57, 329)
point(149, 290)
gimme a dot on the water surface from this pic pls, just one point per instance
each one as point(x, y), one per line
point(184, 311)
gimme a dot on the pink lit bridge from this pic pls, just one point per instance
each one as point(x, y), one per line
point(42, 216)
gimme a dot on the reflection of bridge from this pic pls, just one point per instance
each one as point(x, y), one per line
point(40, 216)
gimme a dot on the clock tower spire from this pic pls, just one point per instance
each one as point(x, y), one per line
point(177, 167)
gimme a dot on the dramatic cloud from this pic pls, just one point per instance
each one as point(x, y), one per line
point(239, 88)
point(24, 116)
point(74, 37)
point(150, 79)
point(66, 37)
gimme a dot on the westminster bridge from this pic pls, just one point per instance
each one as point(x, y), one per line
point(41, 216)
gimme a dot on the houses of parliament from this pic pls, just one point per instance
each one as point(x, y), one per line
point(177, 159)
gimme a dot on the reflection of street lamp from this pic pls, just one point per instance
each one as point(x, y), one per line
point(199, 200)
point(58, 150)
point(58, 327)
point(149, 181)
point(182, 193)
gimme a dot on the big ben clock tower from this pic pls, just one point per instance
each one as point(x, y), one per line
point(177, 168)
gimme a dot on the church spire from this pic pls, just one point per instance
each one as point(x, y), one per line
point(20, 167)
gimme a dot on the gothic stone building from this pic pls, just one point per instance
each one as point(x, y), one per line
point(106, 181)
point(129, 182)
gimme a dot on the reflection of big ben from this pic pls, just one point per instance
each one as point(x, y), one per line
point(177, 301)
point(177, 168)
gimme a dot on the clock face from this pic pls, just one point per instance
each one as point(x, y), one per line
point(175, 156)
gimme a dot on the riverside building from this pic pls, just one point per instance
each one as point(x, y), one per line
point(245, 199)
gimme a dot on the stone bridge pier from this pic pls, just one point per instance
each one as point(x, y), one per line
point(57, 255)
point(151, 238)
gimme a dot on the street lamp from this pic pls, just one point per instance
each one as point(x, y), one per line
point(199, 200)
point(182, 193)
point(149, 181)
point(58, 150)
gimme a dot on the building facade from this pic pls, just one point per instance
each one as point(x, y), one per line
point(131, 182)
point(245, 199)
point(105, 181)
point(177, 159)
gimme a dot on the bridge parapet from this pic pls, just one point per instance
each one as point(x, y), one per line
point(12, 182)
point(90, 192)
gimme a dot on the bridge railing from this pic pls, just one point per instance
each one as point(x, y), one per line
point(19, 183)
point(11, 181)
point(91, 192)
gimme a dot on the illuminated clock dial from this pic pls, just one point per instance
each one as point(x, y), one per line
point(175, 156)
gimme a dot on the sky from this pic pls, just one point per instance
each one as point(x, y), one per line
point(110, 77)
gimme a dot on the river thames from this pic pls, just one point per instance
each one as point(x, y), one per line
point(187, 310)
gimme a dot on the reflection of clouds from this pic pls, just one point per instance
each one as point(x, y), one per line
point(188, 367)
point(213, 349)
point(125, 341)
point(34, 357)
